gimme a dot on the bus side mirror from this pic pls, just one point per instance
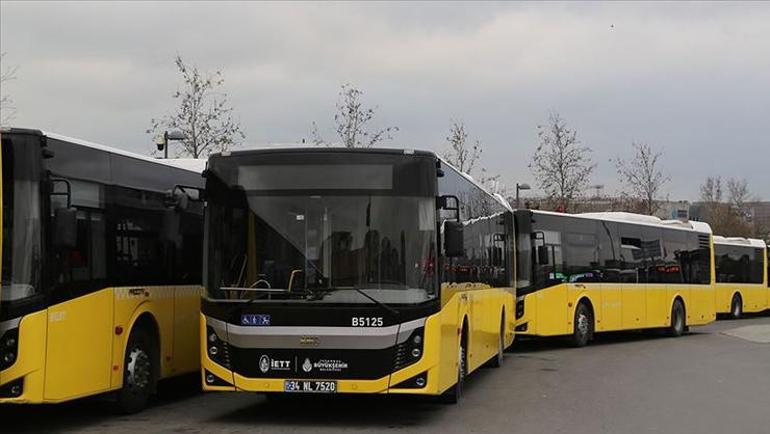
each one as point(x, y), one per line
point(453, 239)
point(65, 228)
point(542, 255)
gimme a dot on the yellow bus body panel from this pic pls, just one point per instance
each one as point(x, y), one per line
point(754, 296)
point(551, 311)
point(30, 360)
point(76, 348)
point(482, 306)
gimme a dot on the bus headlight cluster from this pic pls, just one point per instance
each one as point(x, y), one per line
point(415, 342)
point(410, 350)
point(216, 348)
point(9, 348)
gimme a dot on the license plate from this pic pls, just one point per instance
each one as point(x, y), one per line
point(309, 386)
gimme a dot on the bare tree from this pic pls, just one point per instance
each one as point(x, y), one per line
point(738, 195)
point(726, 218)
point(465, 156)
point(203, 115)
point(7, 108)
point(462, 154)
point(711, 190)
point(352, 120)
point(561, 165)
point(641, 177)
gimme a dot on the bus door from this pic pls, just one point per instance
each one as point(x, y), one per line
point(80, 320)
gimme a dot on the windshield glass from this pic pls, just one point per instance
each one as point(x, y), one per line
point(321, 247)
point(21, 256)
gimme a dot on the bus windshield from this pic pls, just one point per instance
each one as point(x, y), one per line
point(21, 252)
point(321, 247)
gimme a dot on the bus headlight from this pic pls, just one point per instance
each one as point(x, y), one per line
point(9, 348)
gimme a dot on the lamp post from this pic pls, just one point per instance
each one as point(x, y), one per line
point(519, 187)
point(162, 141)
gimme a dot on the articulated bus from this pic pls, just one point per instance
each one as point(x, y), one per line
point(742, 280)
point(101, 270)
point(585, 273)
point(351, 271)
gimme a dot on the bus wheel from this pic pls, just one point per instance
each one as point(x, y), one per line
point(677, 326)
point(736, 306)
point(583, 326)
point(497, 361)
point(452, 396)
point(138, 373)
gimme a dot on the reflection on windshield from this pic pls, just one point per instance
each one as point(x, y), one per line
point(314, 246)
point(21, 221)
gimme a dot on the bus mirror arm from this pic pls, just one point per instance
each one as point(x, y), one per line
point(67, 193)
point(443, 202)
point(180, 196)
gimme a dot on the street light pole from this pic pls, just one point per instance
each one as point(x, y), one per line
point(519, 187)
point(162, 140)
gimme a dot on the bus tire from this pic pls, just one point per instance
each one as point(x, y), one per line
point(736, 306)
point(139, 372)
point(453, 394)
point(497, 361)
point(583, 326)
point(678, 321)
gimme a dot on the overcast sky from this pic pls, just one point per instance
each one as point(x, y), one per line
point(691, 79)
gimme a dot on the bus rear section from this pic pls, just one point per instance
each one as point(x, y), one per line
point(327, 272)
point(99, 263)
point(586, 273)
point(741, 276)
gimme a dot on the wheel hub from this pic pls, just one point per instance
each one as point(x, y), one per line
point(139, 369)
point(582, 324)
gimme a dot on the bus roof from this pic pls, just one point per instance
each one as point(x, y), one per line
point(639, 219)
point(188, 164)
point(739, 241)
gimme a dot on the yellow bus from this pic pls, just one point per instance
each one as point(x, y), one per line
point(586, 273)
point(101, 260)
point(741, 275)
point(351, 271)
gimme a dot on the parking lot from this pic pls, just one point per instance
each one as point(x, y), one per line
point(706, 382)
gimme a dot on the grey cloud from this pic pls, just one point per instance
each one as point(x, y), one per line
point(690, 78)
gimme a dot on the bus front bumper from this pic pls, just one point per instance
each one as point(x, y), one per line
point(419, 377)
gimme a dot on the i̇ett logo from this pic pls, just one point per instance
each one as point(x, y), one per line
point(264, 364)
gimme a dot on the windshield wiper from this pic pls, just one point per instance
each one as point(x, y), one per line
point(377, 302)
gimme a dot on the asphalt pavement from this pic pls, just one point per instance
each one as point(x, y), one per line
point(716, 379)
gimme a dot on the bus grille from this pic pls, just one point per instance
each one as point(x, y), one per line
point(401, 357)
point(703, 241)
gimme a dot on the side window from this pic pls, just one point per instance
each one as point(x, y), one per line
point(138, 252)
point(738, 264)
point(757, 265)
point(136, 226)
point(547, 242)
point(632, 256)
point(581, 252)
point(696, 261)
point(82, 268)
point(676, 257)
point(609, 252)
